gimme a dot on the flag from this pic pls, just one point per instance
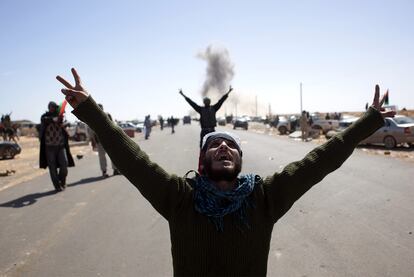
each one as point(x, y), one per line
point(62, 107)
point(386, 100)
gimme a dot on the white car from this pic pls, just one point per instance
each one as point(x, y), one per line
point(396, 130)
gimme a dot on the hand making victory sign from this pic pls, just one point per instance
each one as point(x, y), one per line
point(74, 94)
point(377, 103)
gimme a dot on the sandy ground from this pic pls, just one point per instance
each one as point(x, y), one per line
point(26, 164)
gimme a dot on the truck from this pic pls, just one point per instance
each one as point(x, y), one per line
point(77, 131)
point(323, 125)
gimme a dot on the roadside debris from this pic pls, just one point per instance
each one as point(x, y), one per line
point(7, 173)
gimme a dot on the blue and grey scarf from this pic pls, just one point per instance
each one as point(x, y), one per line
point(215, 204)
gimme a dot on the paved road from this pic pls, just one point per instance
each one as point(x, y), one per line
point(357, 222)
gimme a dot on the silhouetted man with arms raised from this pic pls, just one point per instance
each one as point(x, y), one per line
point(207, 113)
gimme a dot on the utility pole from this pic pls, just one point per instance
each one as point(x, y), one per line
point(301, 98)
point(270, 110)
point(256, 105)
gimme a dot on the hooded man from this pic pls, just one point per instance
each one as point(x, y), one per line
point(54, 146)
point(220, 222)
point(207, 113)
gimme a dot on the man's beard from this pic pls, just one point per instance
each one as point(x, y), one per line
point(223, 174)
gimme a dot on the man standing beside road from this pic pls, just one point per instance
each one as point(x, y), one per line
point(148, 126)
point(54, 147)
point(220, 222)
point(207, 113)
point(304, 127)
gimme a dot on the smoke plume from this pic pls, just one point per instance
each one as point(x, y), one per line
point(219, 72)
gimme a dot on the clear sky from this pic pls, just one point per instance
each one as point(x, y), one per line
point(133, 56)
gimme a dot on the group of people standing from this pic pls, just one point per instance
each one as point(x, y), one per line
point(54, 140)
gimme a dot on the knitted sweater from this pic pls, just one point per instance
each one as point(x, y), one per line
point(198, 249)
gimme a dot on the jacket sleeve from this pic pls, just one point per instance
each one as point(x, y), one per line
point(283, 189)
point(165, 192)
point(218, 105)
point(193, 104)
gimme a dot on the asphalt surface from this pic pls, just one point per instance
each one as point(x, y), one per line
point(359, 221)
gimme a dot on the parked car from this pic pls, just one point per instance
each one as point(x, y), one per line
point(248, 119)
point(283, 126)
point(77, 131)
point(240, 122)
point(287, 125)
point(9, 149)
point(128, 128)
point(186, 119)
point(346, 121)
point(221, 121)
point(139, 125)
point(397, 130)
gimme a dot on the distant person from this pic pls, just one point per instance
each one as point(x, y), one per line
point(304, 126)
point(221, 222)
point(327, 117)
point(171, 122)
point(276, 121)
point(54, 147)
point(148, 126)
point(207, 113)
point(9, 131)
point(161, 120)
point(97, 146)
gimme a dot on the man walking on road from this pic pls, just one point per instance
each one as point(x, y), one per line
point(220, 222)
point(54, 147)
point(207, 113)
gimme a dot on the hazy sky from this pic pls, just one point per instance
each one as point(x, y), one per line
point(133, 56)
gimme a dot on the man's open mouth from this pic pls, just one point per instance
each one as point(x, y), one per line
point(223, 157)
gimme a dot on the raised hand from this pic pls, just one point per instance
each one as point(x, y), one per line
point(230, 89)
point(74, 94)
point(377, 103)
point(181, 92)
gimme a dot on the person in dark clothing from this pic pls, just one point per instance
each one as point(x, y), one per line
point(220, 222)
point(207, 113)
point(148, 126)
point(171, 122)
point(161, 120)
point(54, 147)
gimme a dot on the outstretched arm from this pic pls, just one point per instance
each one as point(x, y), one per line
point(163, 191)
point(191, 102)
point(217, 106)
point(283, 189)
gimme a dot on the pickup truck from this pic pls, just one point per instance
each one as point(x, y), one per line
point(77, 131)
point(324, 125)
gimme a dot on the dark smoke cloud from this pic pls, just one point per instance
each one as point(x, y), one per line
point(219, 72)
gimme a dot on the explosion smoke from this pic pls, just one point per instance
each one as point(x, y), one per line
point(219, 72)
